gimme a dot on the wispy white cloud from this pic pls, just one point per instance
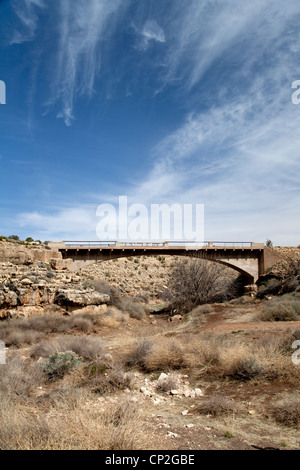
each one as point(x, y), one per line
point(203, 32)
point(82, 28)
point(151, 32)
point(27, 13)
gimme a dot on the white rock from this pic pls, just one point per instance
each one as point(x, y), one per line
point(162, 376)
point(26, 282)
point(172, 434)
point(198, 392)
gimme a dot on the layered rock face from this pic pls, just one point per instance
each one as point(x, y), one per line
point(27, 255)
point(34, 280)
point(287, 254)
point(24, 292)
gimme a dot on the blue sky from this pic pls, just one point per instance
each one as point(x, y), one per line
point(164, 101)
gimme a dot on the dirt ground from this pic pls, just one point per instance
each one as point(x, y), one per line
point(171, 421)
point(174, 422)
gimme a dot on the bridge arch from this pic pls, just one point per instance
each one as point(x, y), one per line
point(247, 266)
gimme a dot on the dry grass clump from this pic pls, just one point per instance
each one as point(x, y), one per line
point(72, 425)
point(197, 315)
point(104, 381)
point(157, 355)
point(132, 306)
point(20, 378)
point(113, 318)
point(167, 354)
point(219, 356)
point(243, 369)
point(81, 322)
point(216, 406)
point(283, 309)
point(204, 352)
point(30, 330)
point(88, 347)
point(138, 356)
point(99, 376)
point(18, 337)
point(223, 357)
point(287, 412)
point(202, 310)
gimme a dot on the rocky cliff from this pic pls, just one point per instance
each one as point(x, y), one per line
point(36, 279)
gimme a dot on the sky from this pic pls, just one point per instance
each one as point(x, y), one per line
point(161, 101)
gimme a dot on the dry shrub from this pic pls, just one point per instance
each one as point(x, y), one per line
point(88, 347)
point(138, 356)
point(287, 412)
point(19, 377)
point(81, 322)
point(270, 287)
point(196, 282)
point(99, 376)
point(280, 310)
point(30, 330)
point(202, 310)
point(113, 318)
point(110, 381)
point(165, 354)
point(133, 307)
point(222, 357)
point(14, 336)
point(243, 369)
point(72, 425)
point(45, 324)
point(216, 406)
point(203, 352)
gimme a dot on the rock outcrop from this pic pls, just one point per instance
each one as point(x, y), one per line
point(80, 297)
point(26, 254)
point(31, 286)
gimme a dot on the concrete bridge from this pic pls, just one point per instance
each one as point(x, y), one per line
point(248, 258)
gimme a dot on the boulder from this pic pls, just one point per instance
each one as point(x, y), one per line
point(8, 299)
point(60, 264)
point(80, 298)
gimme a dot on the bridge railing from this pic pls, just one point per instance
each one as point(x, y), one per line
point(165, 244)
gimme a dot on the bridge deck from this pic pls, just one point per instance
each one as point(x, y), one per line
point(100, 245)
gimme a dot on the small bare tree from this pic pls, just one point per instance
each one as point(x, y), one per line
point(195, 282)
